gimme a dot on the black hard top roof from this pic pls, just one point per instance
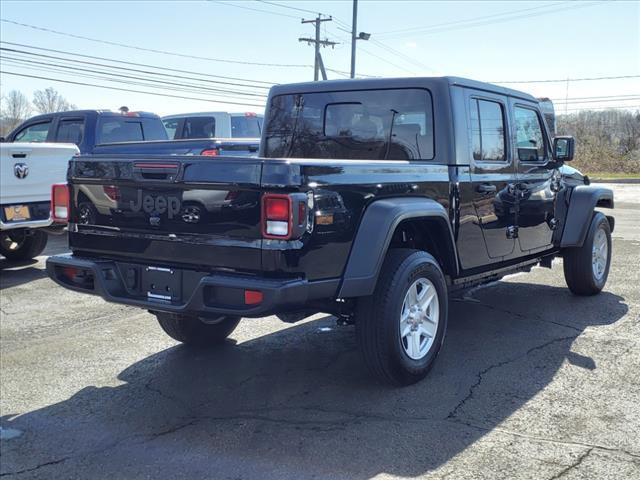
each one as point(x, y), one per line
point(404, 82)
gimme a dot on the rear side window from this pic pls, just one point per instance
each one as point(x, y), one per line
point(248, 126)
point(199, 127)
point(70, 130)
point(37, 132)
point(361, 124)
point(487, 130)
point(130, 129)
point(171, 125)
point(529, 136)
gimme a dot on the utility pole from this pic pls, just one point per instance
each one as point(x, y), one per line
point(354, 29)
point(318, 65)
point(355, 38)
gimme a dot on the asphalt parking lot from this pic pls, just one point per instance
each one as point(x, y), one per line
point(532, 383)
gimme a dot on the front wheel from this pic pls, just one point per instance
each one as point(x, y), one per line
point(194, 331)
point(586, 268)
point(401, 327)
point(22, 244)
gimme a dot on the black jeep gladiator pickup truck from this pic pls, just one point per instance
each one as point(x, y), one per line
point(371, 200)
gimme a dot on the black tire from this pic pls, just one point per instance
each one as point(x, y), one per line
point(22, 245)
point(378, 318)
point(193, 331)
point(577, 262)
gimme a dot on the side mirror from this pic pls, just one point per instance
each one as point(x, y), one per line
point(2, 139)
point(563, 148)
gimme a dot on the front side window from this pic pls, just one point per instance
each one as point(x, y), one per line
point(70, 131)
point(487, 130)
point(37, 132)
point(361, 124)
point(529, 136)
point(199, 127)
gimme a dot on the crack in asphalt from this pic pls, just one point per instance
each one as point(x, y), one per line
point(575, 464)
point(37, 467)
point(453, 413)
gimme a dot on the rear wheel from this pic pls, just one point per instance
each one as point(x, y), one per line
point(192, 330)
point(22, 244)
point(401, 327)
point(586, 268)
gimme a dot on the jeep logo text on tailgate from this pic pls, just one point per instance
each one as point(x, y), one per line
point(159, 204)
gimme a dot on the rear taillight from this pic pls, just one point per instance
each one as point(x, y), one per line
point(60, 202)
point(277, 216)
point(112, 192)
point(210, 152)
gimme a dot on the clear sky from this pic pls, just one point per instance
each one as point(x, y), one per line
point(495, 41)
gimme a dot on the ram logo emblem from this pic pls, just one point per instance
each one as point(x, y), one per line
point(21, 170)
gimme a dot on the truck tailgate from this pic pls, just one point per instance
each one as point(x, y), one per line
point(189, 210)
point(28, 170)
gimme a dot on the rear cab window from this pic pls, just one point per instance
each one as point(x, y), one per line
point(171, 126)
point(129, 129)
point(36, 132)
point(199, 127)
point(389, 124)
point(246, 126)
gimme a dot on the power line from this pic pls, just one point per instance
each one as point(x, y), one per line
point(563, 80)
point(118, 68)
point(145, 66)
point(474, 19)
point(153, 50)
point(254, 9)
point(569, 102)
point(170, 85)
point(472, 23)
point(560, 100)
point(129, 90)
point(292, 8)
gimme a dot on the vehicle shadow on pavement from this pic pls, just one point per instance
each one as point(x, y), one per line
point(18, 272)
point(298, 403)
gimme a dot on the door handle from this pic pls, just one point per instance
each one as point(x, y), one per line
point(486, 188)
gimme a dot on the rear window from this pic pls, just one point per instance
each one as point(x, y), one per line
point(246, 126)
point(199, 127)
point(367, 124)
point(171, 126)
point(130, 129)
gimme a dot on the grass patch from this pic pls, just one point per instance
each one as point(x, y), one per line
point(612, 175)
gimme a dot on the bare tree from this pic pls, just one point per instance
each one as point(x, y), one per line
point(49, 100)
point(15, 109)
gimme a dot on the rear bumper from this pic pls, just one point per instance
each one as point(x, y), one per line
point(26, 224)
point(202, 294)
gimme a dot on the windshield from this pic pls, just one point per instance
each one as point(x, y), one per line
point(130, 129)
point(367, 124)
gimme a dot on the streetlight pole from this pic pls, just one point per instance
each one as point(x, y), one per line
point(354, 38)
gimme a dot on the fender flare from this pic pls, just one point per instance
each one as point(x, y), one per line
point(373, 237)
point(584, 199)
